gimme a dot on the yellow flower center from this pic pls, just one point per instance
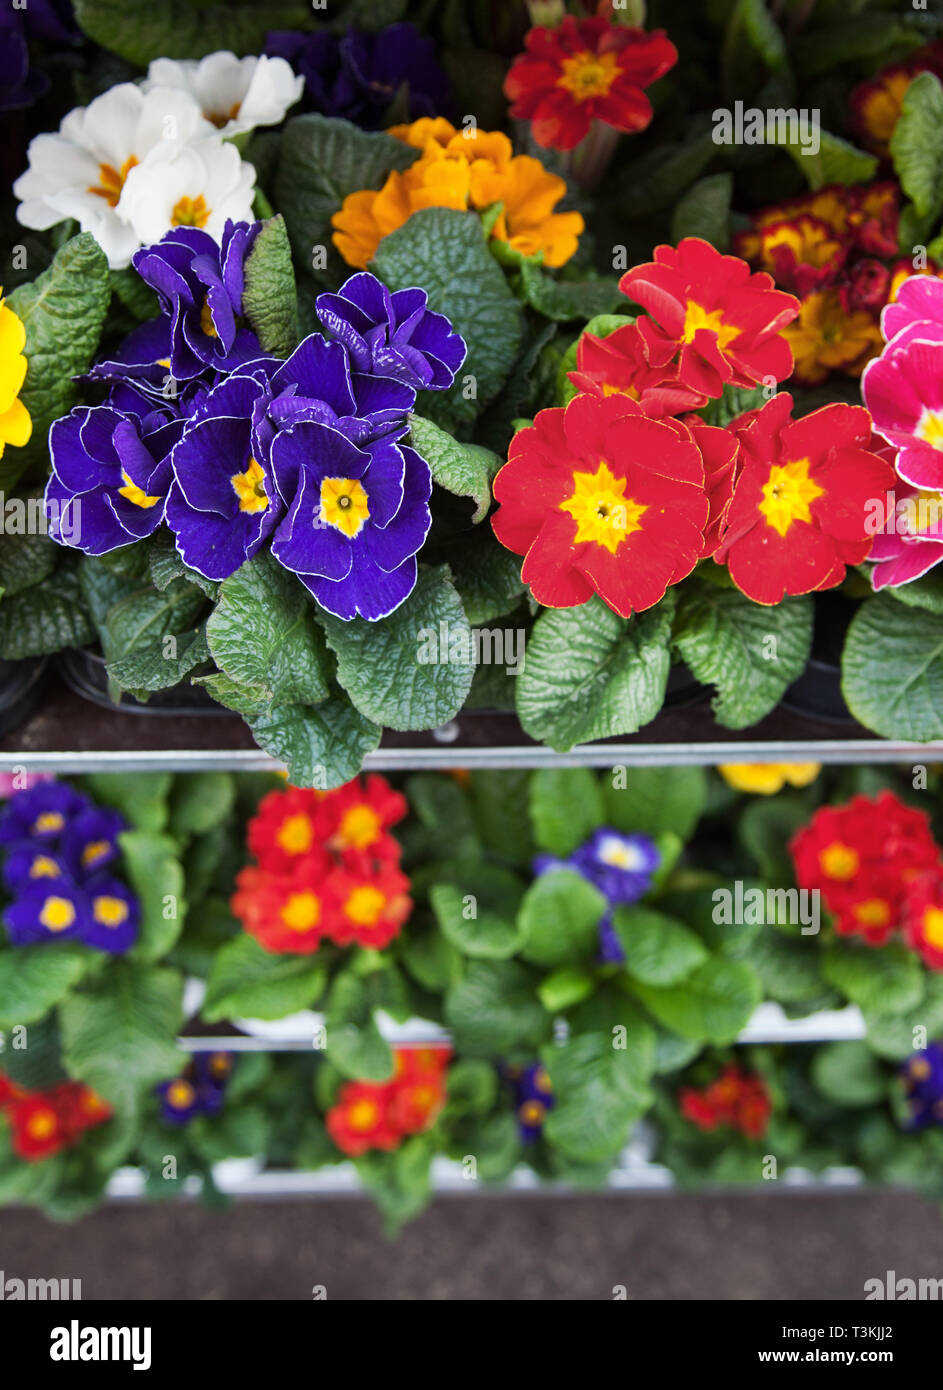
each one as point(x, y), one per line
point(42, 1124)
point(873, 912)
point(94, 851)
point(207, 325)
point(697, 317)
point(930, 428)
point(532, 1112)
point(365, 906)
point(295, 834)
point(221, 118)
point(359, 827)
point(57, 914)
point(344, 504)
point(109, 911)
point(249, 487)
point(135, 494)
point(787, 495)
point(363, 1114)
point(839, 861)
point(933, 927)
point(43, 867)
point(587, 75)
point(190, 212)
point(919, 1068)
point(48, 823)
point(301, 912)
point(542, 1080)
point(604, 515)
point(112, 180)
point(180, 1094)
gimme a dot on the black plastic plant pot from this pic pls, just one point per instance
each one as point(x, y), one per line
point(817, 693)
point(21, 685)
point(84, 671)
point(683, 688)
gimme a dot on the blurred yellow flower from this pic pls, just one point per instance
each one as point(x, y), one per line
point(15, 424)
point(767, 778)
point(468, 169)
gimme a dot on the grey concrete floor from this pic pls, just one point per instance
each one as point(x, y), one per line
point(730, 1246)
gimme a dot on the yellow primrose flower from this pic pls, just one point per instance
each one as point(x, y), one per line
point(765, 779)
point(15, 424)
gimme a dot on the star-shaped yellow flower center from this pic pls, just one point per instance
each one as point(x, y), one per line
point(587, 75)
point(344, 504)
point(933, 927)
point(839, 861)
point(132, 493)
point(112, 180)
point(249, 487)
point(930, 428)
point(604, 515)
point(697, 317)
point(190, 212)
point(788, 493)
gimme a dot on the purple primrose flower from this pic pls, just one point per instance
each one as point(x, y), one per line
point(922, 1077)
point(392, 334)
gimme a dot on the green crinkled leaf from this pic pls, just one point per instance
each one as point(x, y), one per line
point(658, 178)
point(763, 33)
point(892, 1034)
point(500, 799)
point(598, 1095)
point(725, 640)
point(445, 252)
point(892, 670)
point(566, 806)
point(119, 1032)
point(270, 299)
point(463, 469)
point(489, 584)
point(166, 565)
point(655, 800)
point(591, 674)
point(494, 1010)
point(559, 919)
point(151, 667)
point(658, 950)
point(141, 800)
point(201, 801)
point(868, 39)
point(24, 560)
point(848, 1074)
point(393, 669)
point(34, 978)
point(184, 29)
point(704, 211)
point(885, 979)
point(247, 981)
point(45, 618)
point(262, 634)
point(145, 617)
point(63, 312)
point(354, 1044)
point(492, 895)
point(766, 827)
point(563, 300)
point(155, 873)
point(915, 145)
point(711, 1005)
point(323, 160)
point(788, 967)
point(835, 161)
point(321, 745)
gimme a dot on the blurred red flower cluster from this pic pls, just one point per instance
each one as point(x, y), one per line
point(327, 868)
point(879, 870)
point(736, 1100)
point(379, 1115)
point(44, 1122)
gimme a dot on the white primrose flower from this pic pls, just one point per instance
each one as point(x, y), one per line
point(81, 171)
point(236, 94)
point(196, 183)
